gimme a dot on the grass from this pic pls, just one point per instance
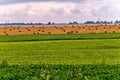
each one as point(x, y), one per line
point(60, 57)
point(21, 38)
point(91, 51)
point(59, 72)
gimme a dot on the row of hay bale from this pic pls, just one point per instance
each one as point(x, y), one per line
point(59, 29)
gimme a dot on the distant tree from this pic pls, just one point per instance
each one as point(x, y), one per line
point(38, 23)
point(105, 22)
point(49, 23)
point(98, 22)
point(111, 22)
point(53, 23)
point(89, 22)
point(74, 22)
point(117, 22)
point(31, 23)
point(70, 23)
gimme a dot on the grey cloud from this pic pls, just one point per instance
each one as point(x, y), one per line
point(6, 2)
point(104, 11)
point(59, 11)
point(75, 11)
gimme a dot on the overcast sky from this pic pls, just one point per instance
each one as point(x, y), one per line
point(58, 10)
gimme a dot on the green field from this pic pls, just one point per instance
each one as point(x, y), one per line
point(87, 51)
point(21, 38)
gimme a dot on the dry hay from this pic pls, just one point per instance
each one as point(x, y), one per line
point(59, 29)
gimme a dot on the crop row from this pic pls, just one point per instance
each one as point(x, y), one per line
point(20, 38)
point(59, 72)
point(62, 52)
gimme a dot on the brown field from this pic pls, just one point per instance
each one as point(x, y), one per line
point(59, 29)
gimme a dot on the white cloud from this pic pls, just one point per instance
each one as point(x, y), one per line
point(60, 11)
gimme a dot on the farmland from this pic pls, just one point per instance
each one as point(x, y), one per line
point(60, 57)
point(62, 52)
point(59, 29)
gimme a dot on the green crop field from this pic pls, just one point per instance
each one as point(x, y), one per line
point(21, 38)
point(61, 52)
point(98, 55)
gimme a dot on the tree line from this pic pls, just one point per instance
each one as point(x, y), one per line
point(70, 23)
point(102, 22)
